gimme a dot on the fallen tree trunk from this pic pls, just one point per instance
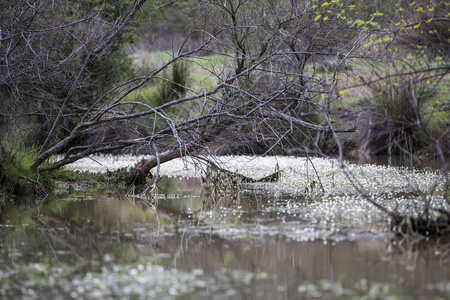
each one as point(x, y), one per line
point(142, 170)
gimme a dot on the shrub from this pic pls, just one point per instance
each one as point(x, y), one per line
point(390, 124)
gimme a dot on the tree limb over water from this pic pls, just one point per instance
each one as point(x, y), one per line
point(293, 78)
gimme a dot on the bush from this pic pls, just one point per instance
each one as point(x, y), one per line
point(390, 124)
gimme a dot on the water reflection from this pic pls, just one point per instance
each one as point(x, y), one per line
point(105, 245)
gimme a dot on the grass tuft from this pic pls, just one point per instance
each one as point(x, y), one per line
point(390, 124)
point(16, 176)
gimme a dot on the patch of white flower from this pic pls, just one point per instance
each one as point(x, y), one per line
point(331, 196)
point(144, 281)
point(299, 175)
point(105, 163)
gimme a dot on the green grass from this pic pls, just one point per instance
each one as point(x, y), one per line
point(196, 73)
point(17, 178)
point(201, 70)
point(437, 114)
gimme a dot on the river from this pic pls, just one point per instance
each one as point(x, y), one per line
point(263, 242)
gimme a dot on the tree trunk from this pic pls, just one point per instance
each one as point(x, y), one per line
point(142, 170)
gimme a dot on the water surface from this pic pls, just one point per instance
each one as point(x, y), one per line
point(187, 245)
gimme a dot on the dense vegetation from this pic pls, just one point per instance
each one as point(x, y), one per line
point(235, 77)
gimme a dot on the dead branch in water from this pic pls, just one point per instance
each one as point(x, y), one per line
point(422, 226)
point(217, 178)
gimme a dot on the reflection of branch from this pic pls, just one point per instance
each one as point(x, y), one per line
point(37, 184)
point(58, 237)
point(149, 191)
point(161, 211)
point(179, 251)
point(419, 248)
point(147, 206)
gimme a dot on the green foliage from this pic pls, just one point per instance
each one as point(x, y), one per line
point(169, 86)
point(437, 115)
point(174, 87)
point(16, 177)
point(363, 15)
point(422, 28)
point(44, 66)
point(196, 73)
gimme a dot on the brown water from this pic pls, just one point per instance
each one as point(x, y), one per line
point(189, 246)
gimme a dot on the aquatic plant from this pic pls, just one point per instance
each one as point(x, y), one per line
point(297, 173)
point(324, 182)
